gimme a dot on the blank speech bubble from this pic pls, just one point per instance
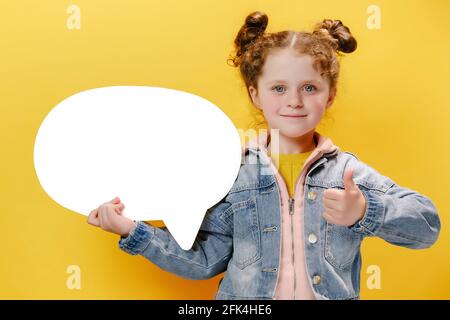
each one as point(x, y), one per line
point(169, 155)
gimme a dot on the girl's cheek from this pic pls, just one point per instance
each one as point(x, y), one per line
point(272, 103)
point(316, 101)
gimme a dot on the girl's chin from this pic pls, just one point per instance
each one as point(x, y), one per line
point(294, 133)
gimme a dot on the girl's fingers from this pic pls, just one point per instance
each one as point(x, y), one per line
point(330, 204)
point(101, 215)
point(332, 194)
point(329, 218)
point(107, 216)
point(94, 213)
point(93, 218)
point(119, 208)
point(116, 200)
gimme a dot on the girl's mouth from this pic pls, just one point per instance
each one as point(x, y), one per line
point(294, 116)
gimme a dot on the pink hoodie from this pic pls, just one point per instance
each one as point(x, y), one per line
point(293, 280)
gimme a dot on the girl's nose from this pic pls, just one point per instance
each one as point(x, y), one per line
point(295, 100)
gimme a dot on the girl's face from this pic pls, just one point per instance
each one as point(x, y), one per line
point(291, 93)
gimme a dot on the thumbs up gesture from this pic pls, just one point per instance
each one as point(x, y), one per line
point(344, 207)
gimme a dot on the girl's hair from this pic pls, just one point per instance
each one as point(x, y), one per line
point(323, 44)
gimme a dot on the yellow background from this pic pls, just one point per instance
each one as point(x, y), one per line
point(392, 110)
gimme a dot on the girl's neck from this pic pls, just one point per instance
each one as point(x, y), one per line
point(288, 145)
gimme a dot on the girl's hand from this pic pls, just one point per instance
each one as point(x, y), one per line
point(344, 207)
point(108, 216)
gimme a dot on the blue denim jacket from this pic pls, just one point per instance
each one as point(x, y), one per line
point(241, 233)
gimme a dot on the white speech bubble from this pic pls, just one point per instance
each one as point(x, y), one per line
point(169, 155)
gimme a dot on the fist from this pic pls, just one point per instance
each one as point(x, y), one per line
point(108, 216)
point(344, 207)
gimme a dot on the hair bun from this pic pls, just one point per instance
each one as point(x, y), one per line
point(258, 20)
point(254, 27)
point(341, 33)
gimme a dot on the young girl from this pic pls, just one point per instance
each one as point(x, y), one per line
point(291, 229)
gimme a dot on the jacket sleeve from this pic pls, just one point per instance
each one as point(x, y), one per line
point(209, 255)
point(398, 215)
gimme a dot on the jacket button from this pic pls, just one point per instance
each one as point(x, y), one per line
point(312, 195)
point(312, 238)
point(316, 279)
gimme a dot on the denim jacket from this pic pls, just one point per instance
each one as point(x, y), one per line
point(241, 234)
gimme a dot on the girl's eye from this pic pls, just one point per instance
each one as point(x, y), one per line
point(277, 87)
point(309, 88)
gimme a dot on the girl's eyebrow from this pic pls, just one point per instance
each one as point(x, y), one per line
point(284, 81)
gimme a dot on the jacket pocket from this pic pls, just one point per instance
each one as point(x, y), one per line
point(341, 246)
point(246, 232)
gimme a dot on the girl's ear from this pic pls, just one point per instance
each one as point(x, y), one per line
point(331, 97)
point(254, 94)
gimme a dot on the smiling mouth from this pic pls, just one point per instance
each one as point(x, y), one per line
point(294, 116)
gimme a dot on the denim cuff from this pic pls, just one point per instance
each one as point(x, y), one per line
point(373, 217)
point(138, 239)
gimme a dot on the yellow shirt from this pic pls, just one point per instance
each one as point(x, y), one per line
point(289, 165)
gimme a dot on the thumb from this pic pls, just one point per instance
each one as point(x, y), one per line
point(116, 200)
point(349, 184)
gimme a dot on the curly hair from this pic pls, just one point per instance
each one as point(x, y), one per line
point(324, 44)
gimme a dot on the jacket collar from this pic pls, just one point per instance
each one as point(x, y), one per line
point(325, 145)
